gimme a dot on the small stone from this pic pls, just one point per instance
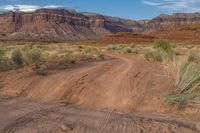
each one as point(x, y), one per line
point(64, 128)
point(198, 126)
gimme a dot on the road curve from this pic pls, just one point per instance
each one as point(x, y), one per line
point(99, 97)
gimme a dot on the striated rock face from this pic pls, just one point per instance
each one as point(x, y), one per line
point(65, 25)
point(60, 25)
point(176, 19)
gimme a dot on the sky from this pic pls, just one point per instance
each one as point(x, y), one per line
point(130, 9)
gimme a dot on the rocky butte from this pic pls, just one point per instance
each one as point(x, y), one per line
point(60, 25)
point(65, 25)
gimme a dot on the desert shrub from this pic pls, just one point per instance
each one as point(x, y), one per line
point(153, 55)
point(84, 55)
point(100, 55)
point(163, 45)
point(67, 59)
point(132, 46)
point(186, 80)
point(129, 50)
point(112, 47)
point(33, 56)
point(162, 51)
point(28, 47)
point(193, 57)
point(120, 47)
point(42, 46)
point(17, 57)
point(2, 52)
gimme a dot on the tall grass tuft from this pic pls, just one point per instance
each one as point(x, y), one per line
point(186, 80)
point(163, 45)
point(2, 52)
point(193, 57)
point(162, 51)
point(33, 57)
point(152, 55)
point(17, 57)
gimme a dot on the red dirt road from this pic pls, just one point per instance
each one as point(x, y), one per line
point(103, 96)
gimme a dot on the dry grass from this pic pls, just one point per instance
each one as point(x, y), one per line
point(185, 77)
point(123, 48)
point(35, 56)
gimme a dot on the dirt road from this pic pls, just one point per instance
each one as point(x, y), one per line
point(20, 116)
point(101, 97)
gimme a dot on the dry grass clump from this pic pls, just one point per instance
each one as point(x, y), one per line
point(163, 45)
point(153, 55)
point(2, 52)
point(37, 57)
point(66, 59)
point(162, 51)
point(5, 64)
point(124, 49)
point(193, 57)
point(17, 57)
point(186, 80)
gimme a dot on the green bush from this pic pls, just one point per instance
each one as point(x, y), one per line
point(163, 45)
point(17, 57)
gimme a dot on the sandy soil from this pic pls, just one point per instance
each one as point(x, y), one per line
point(20, 116)
point(104, 96)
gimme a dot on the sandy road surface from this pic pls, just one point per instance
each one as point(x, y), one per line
point(94, 91)
point(20, 116)
point(123, 83)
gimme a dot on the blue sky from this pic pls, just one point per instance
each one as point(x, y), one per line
point(131, 9)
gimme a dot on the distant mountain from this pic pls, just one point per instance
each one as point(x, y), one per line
point(166, 21)
point(60, 25)
point(67, 25)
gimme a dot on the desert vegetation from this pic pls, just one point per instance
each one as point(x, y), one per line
point(183, 71)
point(37, 57)
point(162, 50)
point(123, 48)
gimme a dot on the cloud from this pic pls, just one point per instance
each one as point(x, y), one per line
point(25, 8)
point(151, 3)
point(175, 5)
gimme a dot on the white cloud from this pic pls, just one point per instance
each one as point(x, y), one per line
point(175, 5)
point(25, 8)
point(151, 3)
point(52, 6)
